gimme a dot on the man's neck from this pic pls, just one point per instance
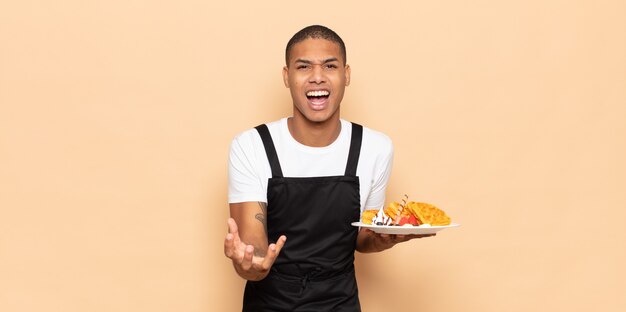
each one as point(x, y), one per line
point(314, 134)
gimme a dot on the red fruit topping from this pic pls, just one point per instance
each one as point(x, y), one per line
point(413, 221)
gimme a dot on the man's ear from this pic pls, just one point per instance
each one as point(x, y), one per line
point(347, 75)
point(286, 76)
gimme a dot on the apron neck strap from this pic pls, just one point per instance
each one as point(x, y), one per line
point(270, 150)
point(353, 154)
point(355, 150)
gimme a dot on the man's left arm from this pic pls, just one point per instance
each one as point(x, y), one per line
point(367, 240)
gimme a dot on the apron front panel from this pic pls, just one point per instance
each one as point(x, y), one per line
point(316, 219)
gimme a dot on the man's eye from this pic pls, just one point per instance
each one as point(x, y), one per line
point(331, 66)
point(302, 67)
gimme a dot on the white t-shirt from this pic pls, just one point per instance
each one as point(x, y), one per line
point(249, 168)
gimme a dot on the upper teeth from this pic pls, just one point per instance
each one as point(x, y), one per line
point(317, 93)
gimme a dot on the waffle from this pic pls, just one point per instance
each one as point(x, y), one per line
point(427, 213)
point(368, 215)
point(393, 210)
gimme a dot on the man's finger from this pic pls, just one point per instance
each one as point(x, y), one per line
point(232, 226)
point(234, 230)
point(246, 263)
point(424, 235)
point(229, 246)
point(272, 252)
point(386, 238)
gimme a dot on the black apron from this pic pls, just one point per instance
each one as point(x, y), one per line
point(315, 268)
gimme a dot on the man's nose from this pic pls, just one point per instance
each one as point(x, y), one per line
point(317, 74)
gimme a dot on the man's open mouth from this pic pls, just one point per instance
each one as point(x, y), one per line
point(317, 96)
point(320, 94)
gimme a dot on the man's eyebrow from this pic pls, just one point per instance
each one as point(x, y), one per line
point(328, 60)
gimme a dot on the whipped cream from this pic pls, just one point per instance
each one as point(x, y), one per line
point(381, 218)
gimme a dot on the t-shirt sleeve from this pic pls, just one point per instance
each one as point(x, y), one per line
point(244, 181)
point(384, 164)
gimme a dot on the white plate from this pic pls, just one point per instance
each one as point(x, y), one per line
point(394, 229)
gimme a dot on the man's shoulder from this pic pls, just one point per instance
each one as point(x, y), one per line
point(377, 139)
point(375, 135)
point(245, 137)
point(251, 134)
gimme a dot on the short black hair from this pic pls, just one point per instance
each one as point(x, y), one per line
point(315, 32)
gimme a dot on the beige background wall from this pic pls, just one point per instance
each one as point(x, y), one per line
point(116, 116)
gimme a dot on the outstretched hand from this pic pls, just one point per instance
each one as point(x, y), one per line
point(247, 264)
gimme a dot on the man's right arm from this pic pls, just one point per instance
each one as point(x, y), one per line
point(246, 242)
point(251, 220)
